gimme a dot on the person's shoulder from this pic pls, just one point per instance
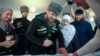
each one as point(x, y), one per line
point(72, 22)
point(17, 19)
point(57, 21)
point(35, 20)
point(71, 25)
point(86, 22)
point(28, 20)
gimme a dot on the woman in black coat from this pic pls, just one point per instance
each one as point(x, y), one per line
point(7, 32)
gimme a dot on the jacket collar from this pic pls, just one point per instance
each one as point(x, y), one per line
point(41, 17)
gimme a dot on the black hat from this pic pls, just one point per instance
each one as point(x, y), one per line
point(79, 11)
point(56, 8)
point(24, 9)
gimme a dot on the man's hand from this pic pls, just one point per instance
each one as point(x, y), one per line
point(75, 54)
point(8, 44)
point(47, 43)
point(62, 51)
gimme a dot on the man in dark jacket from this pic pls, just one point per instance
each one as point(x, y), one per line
point(21, 25)
point(44, 31)
point(94, 43)
point(84, 29)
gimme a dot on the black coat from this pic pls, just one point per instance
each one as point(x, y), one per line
point(39, 31)
point(21, 26)
point(3, 34)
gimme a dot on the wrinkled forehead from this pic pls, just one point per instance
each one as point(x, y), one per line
point(95, 5)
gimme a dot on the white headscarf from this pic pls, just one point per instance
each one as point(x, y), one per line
point(67, 17)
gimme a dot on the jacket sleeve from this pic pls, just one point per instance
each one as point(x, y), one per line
point(59, 35)
point(15, 26)
point(90, 32)
point(15, 23)
point(15, 36)
point(75, 43)
point(31, 31)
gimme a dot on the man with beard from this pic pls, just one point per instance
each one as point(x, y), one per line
point(94, 43)
point(44, 31)
point(21, 25)
point(84, 29)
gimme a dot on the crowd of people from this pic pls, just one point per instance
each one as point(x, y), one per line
point(45, 34)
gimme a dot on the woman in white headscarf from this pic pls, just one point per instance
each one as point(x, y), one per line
point(7, 32)
point(68, 30)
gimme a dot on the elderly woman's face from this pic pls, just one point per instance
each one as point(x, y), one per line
point(64, 22)
point(7, 16)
